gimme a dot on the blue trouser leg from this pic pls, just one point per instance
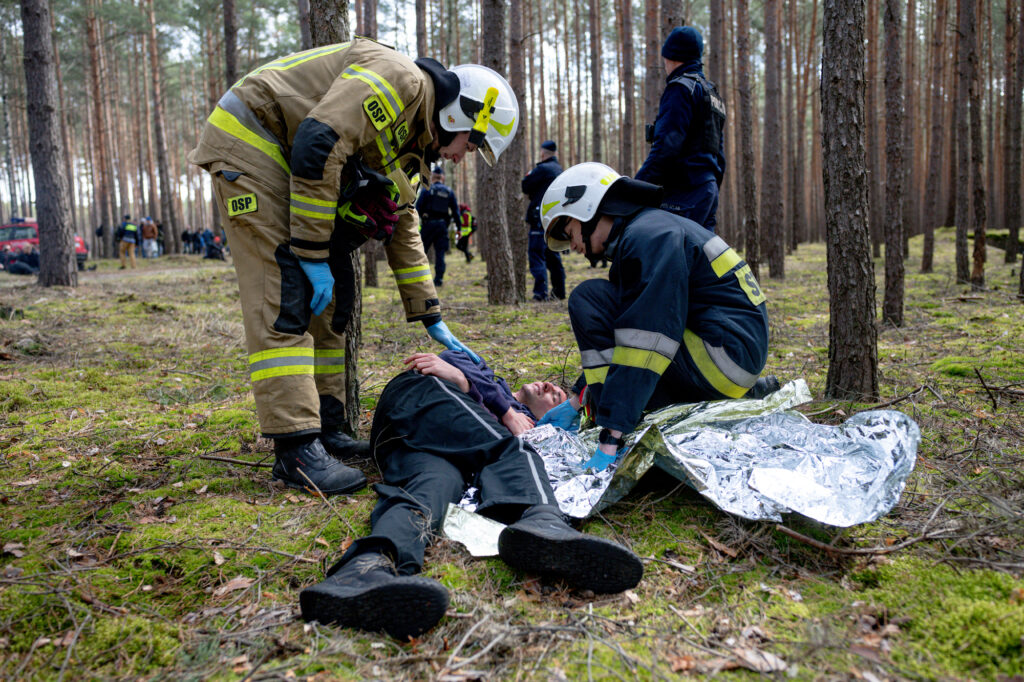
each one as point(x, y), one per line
point(554, 264)
point(593, 308)
point(538, 265)
point(435, 233)
point(699, 204)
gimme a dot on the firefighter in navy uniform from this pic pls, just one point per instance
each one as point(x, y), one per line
point(438, 210)
point(543, 259)
point(311, 155)
point(680, 317)
point(687, 156)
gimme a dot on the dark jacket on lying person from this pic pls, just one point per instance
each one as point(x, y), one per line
point(485, 387)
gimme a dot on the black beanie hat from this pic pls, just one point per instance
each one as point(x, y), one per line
point(684, 44)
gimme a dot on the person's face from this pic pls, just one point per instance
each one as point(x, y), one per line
point(541, 396)
point(458, 149)
point(434, 177)
point(574, 231)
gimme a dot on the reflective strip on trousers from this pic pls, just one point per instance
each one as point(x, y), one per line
point(234, 118)
point(412, 275)
point(717, 367)
point(313, 208)
point(280, 362)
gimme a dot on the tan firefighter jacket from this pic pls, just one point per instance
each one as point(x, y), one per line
point(304, 115)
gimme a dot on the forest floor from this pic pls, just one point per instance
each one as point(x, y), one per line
point(127, 555)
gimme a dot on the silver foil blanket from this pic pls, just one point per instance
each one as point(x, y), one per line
point(756, 459)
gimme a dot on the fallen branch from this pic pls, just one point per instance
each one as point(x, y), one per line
point(995, 405)
point(857, 551)
point(898, 400)
point(240, 462)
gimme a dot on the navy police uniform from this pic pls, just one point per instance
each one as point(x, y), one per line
point(430, 440)
point(680, 318)
point(438, 208)
point(687, 156)
point(542, 259)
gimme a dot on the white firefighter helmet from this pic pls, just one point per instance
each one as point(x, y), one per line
point(576, 193)
point(486, 106)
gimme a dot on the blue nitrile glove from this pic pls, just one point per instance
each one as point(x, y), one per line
point(563, 415)
point(319, 275)
point(599, 461)
point(439, 332)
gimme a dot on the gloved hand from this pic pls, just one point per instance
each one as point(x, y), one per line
point(439, 332)
point(319, 275)
point(563, 415)
point(372, 211)
point(600, 460)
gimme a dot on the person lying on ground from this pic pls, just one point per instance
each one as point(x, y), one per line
point(441, 425)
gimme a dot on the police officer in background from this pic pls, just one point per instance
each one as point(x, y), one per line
point(543, 259)
point(438, 209)
point(687, 157)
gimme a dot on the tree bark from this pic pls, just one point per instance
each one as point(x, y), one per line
point(748, 179)
point(305, 37)
point(969, 35)
point(595, 80)
point(892, 304)
point(853, 351)
point(516, 163)
point(53, 208)
point(421, 28)
point(5, 105)
point(628, 88)
point(872, 139)
point(328, 24)
point(961, 122)
point(230, 47)
point(652, 59)
point(1012, 125)
point(494, 184)
point(773, 237)
point(910, 183)
point(935, 141)
point(101, 189)
point(168, 207)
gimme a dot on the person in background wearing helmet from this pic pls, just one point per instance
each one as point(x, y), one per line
point(543, 259)
point(311, 155)
point(679, 319)
point(467, 226)
point(443, 424)
point(687, 157)
point(438, 209)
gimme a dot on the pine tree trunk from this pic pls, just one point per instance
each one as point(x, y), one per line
point(56, 240)
point(852, 348)
point(628, 89)
point(652, 58)
point(101, 189)
point(1012, 125)
point(969, 35)
point(910, 182)
point(595, 80)
point(872, 139)
point(935, 141)
point(963, 139)
point(230, 47)
point(5, 105)
point(773, 236)
point(168, 208)
point(892, 304)
point(717, 67)
point(515, 163)
point(421, 28)
point(748, 179)
point(305, 37)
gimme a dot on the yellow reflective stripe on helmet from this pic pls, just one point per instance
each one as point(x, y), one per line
point(389, 98)
point(483, 118)
point(641, 359)
point(547, 207)
point(232, 126)
point(294, 60)
point(595, 375)
point(711, 371)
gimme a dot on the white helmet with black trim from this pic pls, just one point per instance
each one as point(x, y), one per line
point(486, 106)
point(576, 193)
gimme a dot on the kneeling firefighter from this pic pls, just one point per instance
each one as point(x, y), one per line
point(311, 155)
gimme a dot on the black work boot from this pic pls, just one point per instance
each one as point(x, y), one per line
point(366, 594)
point(542, 542)
point(765, 385)
point(340, 445)
point(295, 458)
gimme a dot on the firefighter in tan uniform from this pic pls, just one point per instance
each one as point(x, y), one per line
point(311, 155)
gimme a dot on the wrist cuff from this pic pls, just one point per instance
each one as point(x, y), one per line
point(606, 438)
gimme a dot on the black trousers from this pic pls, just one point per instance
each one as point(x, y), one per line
point(431, 440)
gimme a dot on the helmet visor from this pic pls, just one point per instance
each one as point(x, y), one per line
point(485, 151)
point(557, 238)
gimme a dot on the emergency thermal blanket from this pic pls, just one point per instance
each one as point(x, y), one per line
point(757, 459)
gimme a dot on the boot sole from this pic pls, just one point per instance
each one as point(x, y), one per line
point(359, 485)
point(404, 608)
point(585, 562)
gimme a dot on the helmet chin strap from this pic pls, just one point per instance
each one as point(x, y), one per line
point(586, 231)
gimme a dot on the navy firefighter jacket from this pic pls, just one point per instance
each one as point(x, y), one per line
point(679, 159)
point(535, 183)
point(485, 387)
point(681, 289)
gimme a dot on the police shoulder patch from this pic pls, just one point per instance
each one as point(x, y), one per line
point(378, 114)
point(244, 203)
